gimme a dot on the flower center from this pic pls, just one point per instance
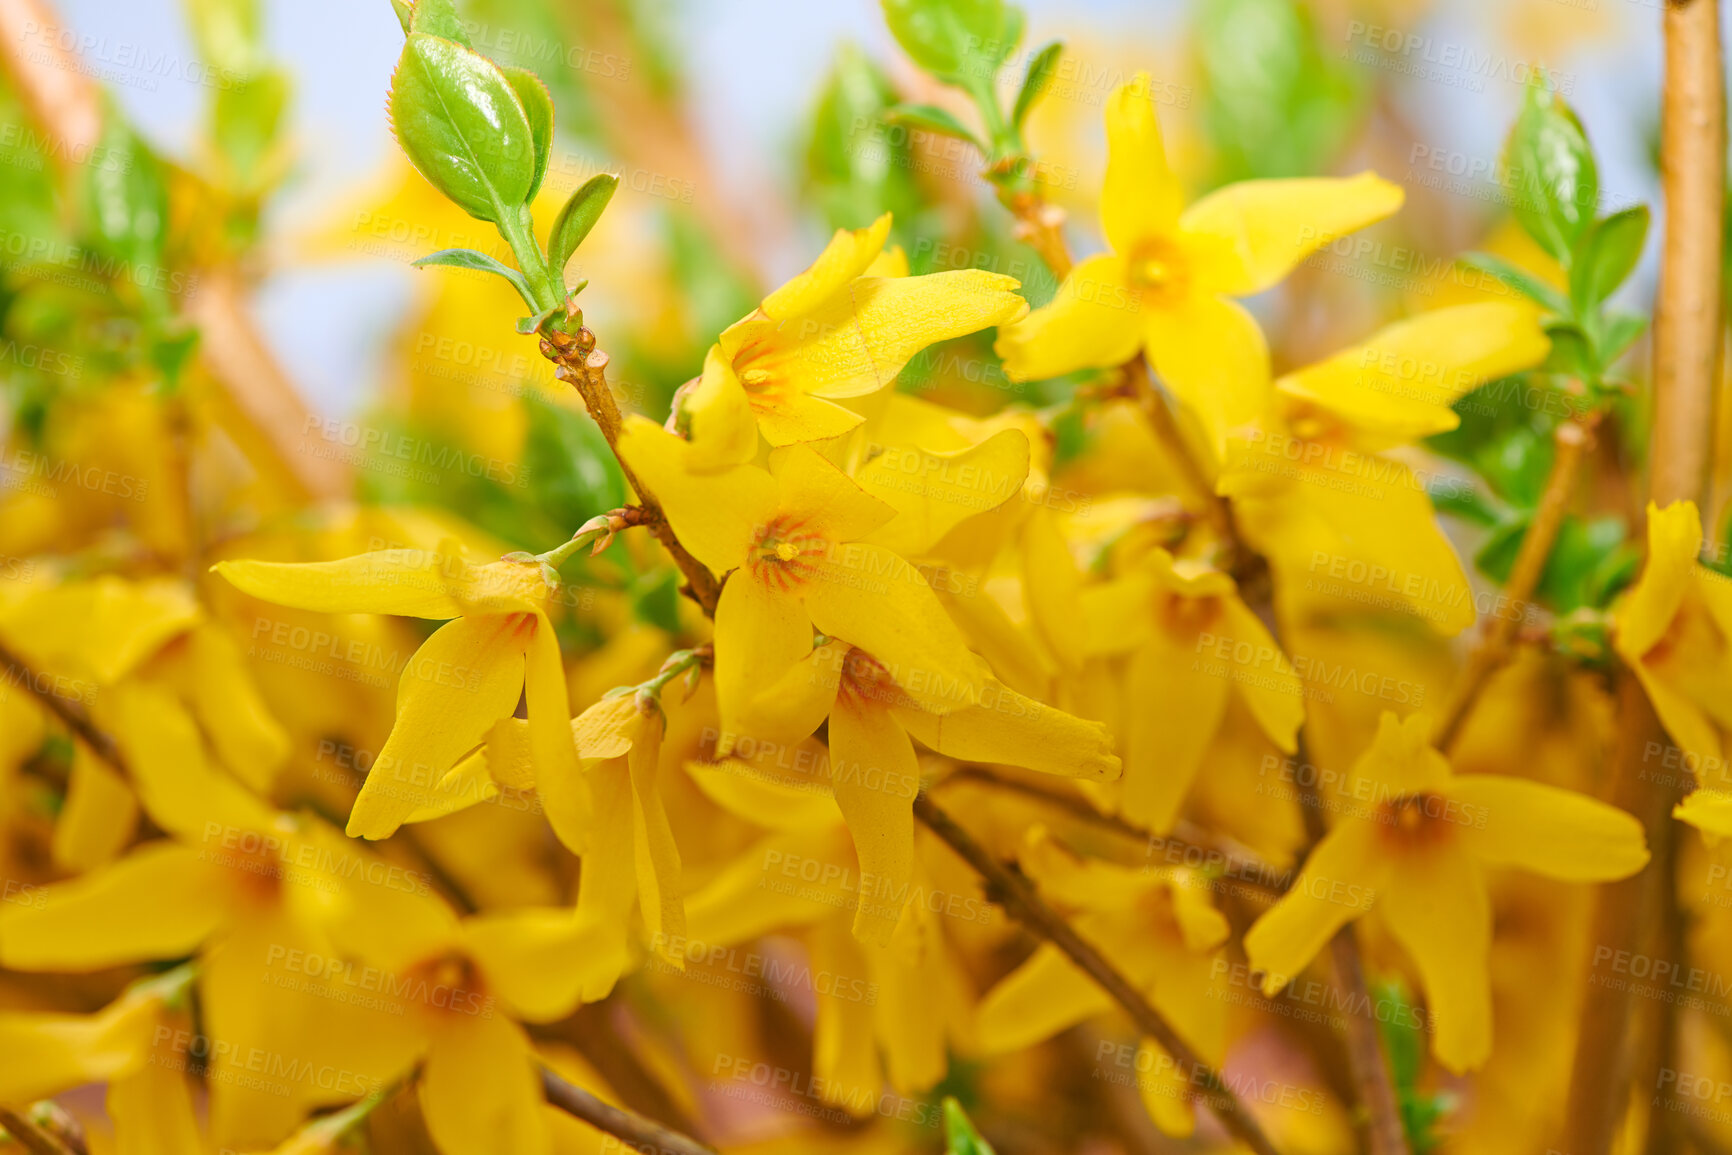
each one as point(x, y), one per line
point(786, 552)
point(1418, 820)
point(866, 681)
point(1161, 270)
point(447, 984)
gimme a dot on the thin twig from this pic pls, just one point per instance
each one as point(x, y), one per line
point(1191, 844)
point(1385, 1134)
point(1040, 226)
point(580, 362)
point(1687, 339)
point(1573, 439)
point(637, 1132)
point(72, 716)
point(33, 1137)
point(1013, 891)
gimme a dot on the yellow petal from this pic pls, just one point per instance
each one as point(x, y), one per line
point(794, 705)
point(785, 880)
point(848, 255)
point(1341, 879)
point(178, 788)
point(816, 497)
point(1011, 730)
point(1265, 227)
point(875, 778)
point(461, 681)
point(1401, 759)
point(1550, 831)
point(794, 417)
point(754, 793)
point(1093, 322)
point(1399, 384)
point(1212, 355)
point(717, 514)
point(415, 583)
point(1176, 700)
point(470, 781)
point(221, 694)
point(527, 957)
point(857, 342)
point(1438, 910)
point(104, 627)
point(932, 493)
point(98, 818)
point(550, 738)
point(762, 633)
point(43, 1054)
point(1165, 1089)
point(1646, 613)
point(723, 430)
point(877, 601)
point(159, 902)
point(844, 1054)
point(660, 890)
point(1053, 585)
point(480, 1090)
point(152, 1111)
point(607, 884)
point(1267, 680)
point(1709, 811)
point(1117, 615)
point(1036, 1001)
point(1140, 197)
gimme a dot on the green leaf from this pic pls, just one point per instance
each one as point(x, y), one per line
point(1553, 167)
point(438, 18)
point(482, 263)
point(1518, 279)
point(655, 599)
point(1465, 502)
point(572, 473)
point(1606, 256)
point(462, 126)
point(537, 104)
point(228, 34)
point(960, 1137)
point(855, 167)
point(1619, 333)
point(1035, 84)
point(577, 218)
point(1572, 352)
point(405, 11)
point(128, 195)
point(933, 119)
point(961, 42)
point(245, 118)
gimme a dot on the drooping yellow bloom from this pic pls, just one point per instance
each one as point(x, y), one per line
point(96, 642)
point(1343, 524)
point(1189, 643)
point(1414, 839)
point(840, 330)
point(249, 890)
point(1160, 928)
point(497, 646)
point(1167, 285)
point(1674, 629)
point(874, 774)
point(905, 1000)
point(798, 543)
point(457, 990)
point(141, 1045)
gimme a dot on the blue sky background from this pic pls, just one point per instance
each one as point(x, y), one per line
point(754, 66)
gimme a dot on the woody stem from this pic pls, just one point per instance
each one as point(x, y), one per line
point(1385, 1133)
point(1641, 910)
point(638, 1133)
point(1573, 439)
point(585, 366)
point(1012, 890)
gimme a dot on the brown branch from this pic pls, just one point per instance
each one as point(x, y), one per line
point(637, 1132)
point(1245, 864)
point(34, 1138)
point(1385, 1134)
point(1573, 440)
point(70, 714)
point(1016, 894)
point(1040, 226)
point(1687, 337)
point(577, 360)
